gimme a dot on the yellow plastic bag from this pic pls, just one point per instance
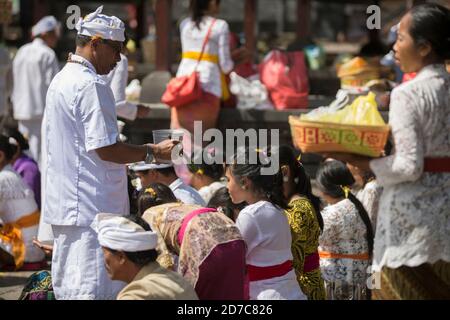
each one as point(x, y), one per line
point(363, 111)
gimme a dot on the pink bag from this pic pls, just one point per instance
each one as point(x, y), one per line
point(286, 78)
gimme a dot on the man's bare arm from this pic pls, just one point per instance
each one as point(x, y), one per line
point(123, 153)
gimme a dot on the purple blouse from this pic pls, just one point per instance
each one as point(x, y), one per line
point(29, 171)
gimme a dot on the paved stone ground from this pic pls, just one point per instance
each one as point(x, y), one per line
point(11, 284)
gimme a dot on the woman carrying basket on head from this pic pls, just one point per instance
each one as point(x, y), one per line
point(412, 241)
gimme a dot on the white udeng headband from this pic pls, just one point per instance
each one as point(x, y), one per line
point(44, 25)
point(119, 233)
point(106, 27)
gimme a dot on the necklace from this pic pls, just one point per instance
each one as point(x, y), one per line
point(83, 63)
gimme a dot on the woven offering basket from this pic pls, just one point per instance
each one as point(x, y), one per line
point(319, 137)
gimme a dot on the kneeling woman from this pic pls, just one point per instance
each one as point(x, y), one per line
point(207, 244)
point(19, 217)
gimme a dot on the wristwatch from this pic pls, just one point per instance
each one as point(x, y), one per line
point(149, 157)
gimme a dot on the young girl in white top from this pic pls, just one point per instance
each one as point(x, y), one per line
point(346, 242)
point(264, 228)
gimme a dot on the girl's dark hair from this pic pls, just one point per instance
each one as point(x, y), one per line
point(303, 185)
point(200, 162)
point(248, 164)
point(431, 23)
point(368, 176)
point(331, 177)
point(221, 198)
point(132, 195)
point(140, 258)
point(198, 8)
point(16, 135)
point(154, 195)
point(167, 171)
point(7, 148)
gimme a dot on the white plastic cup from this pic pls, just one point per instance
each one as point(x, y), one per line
point(167, 134)
point(120, 125)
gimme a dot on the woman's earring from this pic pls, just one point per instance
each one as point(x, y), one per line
point(296, 180)
point(285, 179)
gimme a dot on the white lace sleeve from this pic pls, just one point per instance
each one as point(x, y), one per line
point(406, 164)
point(330, 233)
point(370, 199)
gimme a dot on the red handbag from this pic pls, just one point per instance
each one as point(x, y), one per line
point(183, 90)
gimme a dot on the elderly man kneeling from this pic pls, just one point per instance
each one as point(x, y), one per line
point(129, 249)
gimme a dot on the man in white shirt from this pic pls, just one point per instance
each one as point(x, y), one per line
point(34, 67)
point(117, 79)
point(165, 174)
point(84, 163)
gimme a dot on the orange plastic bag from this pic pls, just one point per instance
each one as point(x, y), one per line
point(285, 76)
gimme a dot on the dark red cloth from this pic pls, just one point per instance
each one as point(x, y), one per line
point(27, 266)
point(262, 273)
point(227, 260)
point(436, 165)
point(312, 262)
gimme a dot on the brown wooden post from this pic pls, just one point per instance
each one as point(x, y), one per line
point(250, 24)
point(163, 21)
point(303, 18)
point(40, 10)
point(141, 16)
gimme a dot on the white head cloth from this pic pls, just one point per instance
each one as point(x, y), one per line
point(119, 233)
point(46, 24)
point(106, 27)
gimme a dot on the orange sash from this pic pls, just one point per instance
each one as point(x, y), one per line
point(12, 233)
point(213, 58)
point(331, 255)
